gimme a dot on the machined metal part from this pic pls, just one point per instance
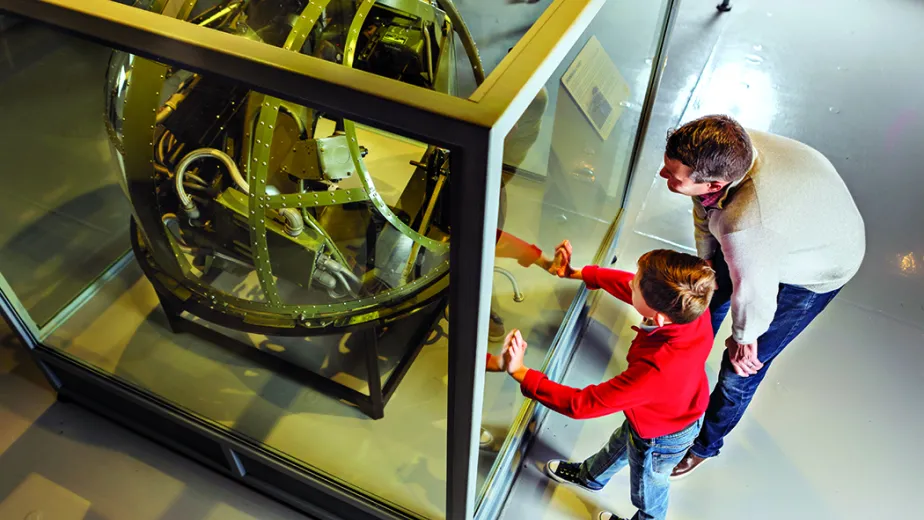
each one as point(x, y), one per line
point(334, 158)
point(265, 204)
point(392, 252)
point(350, 130)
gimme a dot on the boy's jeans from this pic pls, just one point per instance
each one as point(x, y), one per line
point(650, 463)
point(796, 308)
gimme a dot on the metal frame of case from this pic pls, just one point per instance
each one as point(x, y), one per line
point(473, 129)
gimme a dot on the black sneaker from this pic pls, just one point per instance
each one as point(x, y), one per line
point(606, 515)
point(566, 473)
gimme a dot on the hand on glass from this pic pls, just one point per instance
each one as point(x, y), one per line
point(495, 364)
point(561, 267)
point(743, 357)
point(514, 352)
point(546, 263)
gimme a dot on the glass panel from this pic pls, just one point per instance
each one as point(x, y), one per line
point(579, 130)
point(495, 27)
point(64, 216)
point(414, 41)
point(291, 268)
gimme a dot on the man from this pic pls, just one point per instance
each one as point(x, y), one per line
point(781, 230)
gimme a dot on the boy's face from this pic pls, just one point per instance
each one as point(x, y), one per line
point(638, 301)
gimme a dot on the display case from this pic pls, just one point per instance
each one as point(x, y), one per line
point(281, 237)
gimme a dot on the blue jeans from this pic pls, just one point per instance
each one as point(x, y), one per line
point(795, 309)
point(650, 464)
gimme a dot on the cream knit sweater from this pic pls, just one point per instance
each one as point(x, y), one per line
point(790, 220)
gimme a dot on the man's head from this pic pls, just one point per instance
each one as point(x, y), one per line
point(705, 155)
point(672, 287)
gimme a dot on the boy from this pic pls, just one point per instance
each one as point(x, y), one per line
point(663, 392)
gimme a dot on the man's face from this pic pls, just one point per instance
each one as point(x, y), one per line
point(679, 181)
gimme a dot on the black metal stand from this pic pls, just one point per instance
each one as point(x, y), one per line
point(373, 404)
point(724, 7)
point(425, 317)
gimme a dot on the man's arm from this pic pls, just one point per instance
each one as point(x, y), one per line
point(706, 243)
point(753, 257)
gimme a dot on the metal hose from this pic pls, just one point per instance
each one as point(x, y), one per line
point(517, 295)
point(294, 222)
point(188, 205)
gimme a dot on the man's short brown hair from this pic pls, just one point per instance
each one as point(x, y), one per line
point(678, 285)
point(717, 148)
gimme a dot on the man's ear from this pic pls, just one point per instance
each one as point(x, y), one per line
point(715, 186)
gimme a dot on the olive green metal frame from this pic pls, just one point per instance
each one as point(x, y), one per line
point(473, 129)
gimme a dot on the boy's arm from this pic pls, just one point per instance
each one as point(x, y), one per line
point(526, 254)
point(629, 389)
point(613, 281)
point(494, 363)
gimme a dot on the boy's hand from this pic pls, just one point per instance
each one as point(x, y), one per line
point(561, 266)
point(495, 364)
point(547, 264)
point(514, 352)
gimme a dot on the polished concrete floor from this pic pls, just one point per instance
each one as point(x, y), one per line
point(829, 432)
point(834, 430)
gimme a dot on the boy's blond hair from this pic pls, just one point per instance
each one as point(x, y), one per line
point(678, 285)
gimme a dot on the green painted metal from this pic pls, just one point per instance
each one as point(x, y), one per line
point(350, 129)
point(137, 145)
point(314, 199)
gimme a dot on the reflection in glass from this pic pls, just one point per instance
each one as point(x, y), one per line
point(566, 165)
point(62, 211)
point(412, 41)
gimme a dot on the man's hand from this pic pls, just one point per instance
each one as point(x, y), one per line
point(514, 352)
point(561, 267)
point(743, 357)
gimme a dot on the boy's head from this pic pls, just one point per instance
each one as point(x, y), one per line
point(672, 287)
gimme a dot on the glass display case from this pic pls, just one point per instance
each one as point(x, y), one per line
point(281, 237)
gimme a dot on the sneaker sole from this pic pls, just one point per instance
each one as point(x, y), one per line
point(560, 480)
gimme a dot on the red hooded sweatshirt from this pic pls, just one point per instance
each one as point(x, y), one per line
point(662, 391)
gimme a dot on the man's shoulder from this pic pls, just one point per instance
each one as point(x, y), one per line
point(789, 156)
point(742, 210)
